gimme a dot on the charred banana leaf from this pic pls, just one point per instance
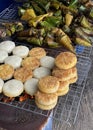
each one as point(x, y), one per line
point(32, 40)
point(68, 19)
point(84, 23)
point(82, 42)
point(66, 42)
point(33, 22)
point(28, 14)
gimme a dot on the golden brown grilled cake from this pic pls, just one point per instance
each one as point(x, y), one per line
point(31, 62)
point(37, 52)
point(64, 75)
point(63, 88)
point(6, 71)
point(46, 101)
point(66, 60)
point(23, 74)
point(48, 84)
point(73, 80)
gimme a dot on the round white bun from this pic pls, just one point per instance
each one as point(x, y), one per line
point(21, 51)
point(7, 46)
point(14, 61)
point(3, 55)
point(41, 72)
point(30, 86)
point(1, 85)
point(47, 61)
point(13, 88)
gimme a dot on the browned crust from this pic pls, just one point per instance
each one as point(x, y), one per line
point(64, 75)
point(6, 71)
point(65, 60)
point(46, 99)
point(48, 84)
point(37, 52)
point(23, 74)
point(31, 62)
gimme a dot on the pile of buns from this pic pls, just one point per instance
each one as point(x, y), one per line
point(35, 73)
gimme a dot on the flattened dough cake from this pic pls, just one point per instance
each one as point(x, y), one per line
point(23, 74)
point(3, 55)
point(66, 60)
point(1, 85)
point(63, 88)
point(47, 61)
point(31, 62)
point(14, 61)
point(46, 101)
point(48, 84)
point(7, 46)
point(6, 71)
point(31, 86)
point(41, 72)
point(21, 51)
point(64, 75)
point(37, 52)
point(13, 88)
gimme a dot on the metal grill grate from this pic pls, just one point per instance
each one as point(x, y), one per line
point(68, 105)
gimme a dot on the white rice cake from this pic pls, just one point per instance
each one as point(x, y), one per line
point(47, 61)
point(31, 86)
point(41, 72)
point(21, 51)
point(3, 55)
point(14, 61)
point(1, 85)
point(13, 88)
point(7, 46)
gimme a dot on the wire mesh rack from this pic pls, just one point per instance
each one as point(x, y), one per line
point(11, 13)
point(67, 107)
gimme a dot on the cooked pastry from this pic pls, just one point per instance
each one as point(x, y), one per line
point(46, 101)
point(47, 61)
point(23, 74)
point(48, 84)
point(7, 46)
point(64, 75)
point(21, 51)
point(14, 61)
point(13, 88)
point(1, 85)
point(30, 86)
point(6, 71)
point(41, 72)
point(37, 52)
point(73, 80)
point(31, 62)
point(63, 88)
point(3, 55)
point(66, 60)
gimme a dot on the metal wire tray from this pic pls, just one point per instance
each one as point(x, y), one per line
point(11, 14)
point(68, 105)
